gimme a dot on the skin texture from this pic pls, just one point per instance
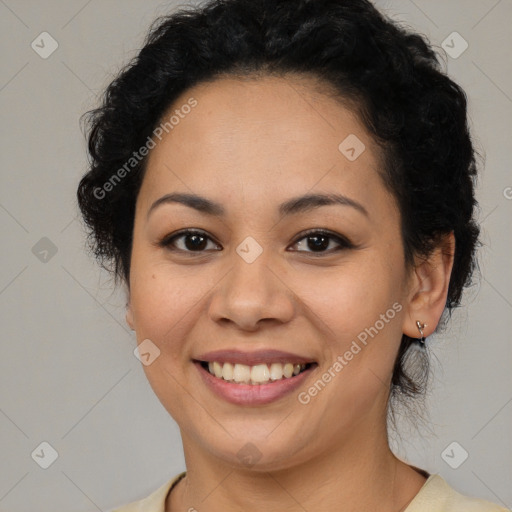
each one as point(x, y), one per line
point(251, 145)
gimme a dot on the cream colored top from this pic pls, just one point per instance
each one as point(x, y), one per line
point(435, 496)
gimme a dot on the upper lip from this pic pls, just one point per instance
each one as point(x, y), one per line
point(253, 358)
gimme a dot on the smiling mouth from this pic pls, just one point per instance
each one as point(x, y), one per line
point(254, 375)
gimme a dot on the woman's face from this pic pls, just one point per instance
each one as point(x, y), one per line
point(253, 282)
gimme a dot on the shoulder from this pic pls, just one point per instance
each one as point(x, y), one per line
point(437, 495)
point(155, 502)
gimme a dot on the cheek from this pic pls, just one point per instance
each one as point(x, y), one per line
point(166, 301)
point(348, 298)
point(361, 315)
point(164, 308)
point(358, 308)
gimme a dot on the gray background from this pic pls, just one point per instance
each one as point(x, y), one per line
point(68, 375)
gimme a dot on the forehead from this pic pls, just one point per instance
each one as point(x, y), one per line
point(262, 135)
point(280, 110)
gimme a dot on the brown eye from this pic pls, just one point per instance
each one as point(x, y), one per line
point(319, 241)
point(187, 241)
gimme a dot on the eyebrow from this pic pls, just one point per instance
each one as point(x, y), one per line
point(295, 205)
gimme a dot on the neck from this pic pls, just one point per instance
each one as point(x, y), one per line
point(360, 474)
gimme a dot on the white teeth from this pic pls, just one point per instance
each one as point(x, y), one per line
point(260, 373)
point(276, 371)
point(242, 373)
point(227, 371)
point(257, 374)
point(288, 370)
point(217, 370)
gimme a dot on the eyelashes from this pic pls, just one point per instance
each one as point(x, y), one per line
point(319, 238)
point(195, 242)
point(198, 238)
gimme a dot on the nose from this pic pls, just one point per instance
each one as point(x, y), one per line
point(252, 294)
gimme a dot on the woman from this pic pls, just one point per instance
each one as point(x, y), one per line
point(287, 190)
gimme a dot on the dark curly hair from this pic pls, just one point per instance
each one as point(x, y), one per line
point(391, 77)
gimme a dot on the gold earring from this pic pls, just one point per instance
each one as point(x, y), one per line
point(420, 328)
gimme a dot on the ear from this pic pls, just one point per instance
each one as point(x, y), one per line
point(428, 288)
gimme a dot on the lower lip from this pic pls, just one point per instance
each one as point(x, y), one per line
point(249, 394)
